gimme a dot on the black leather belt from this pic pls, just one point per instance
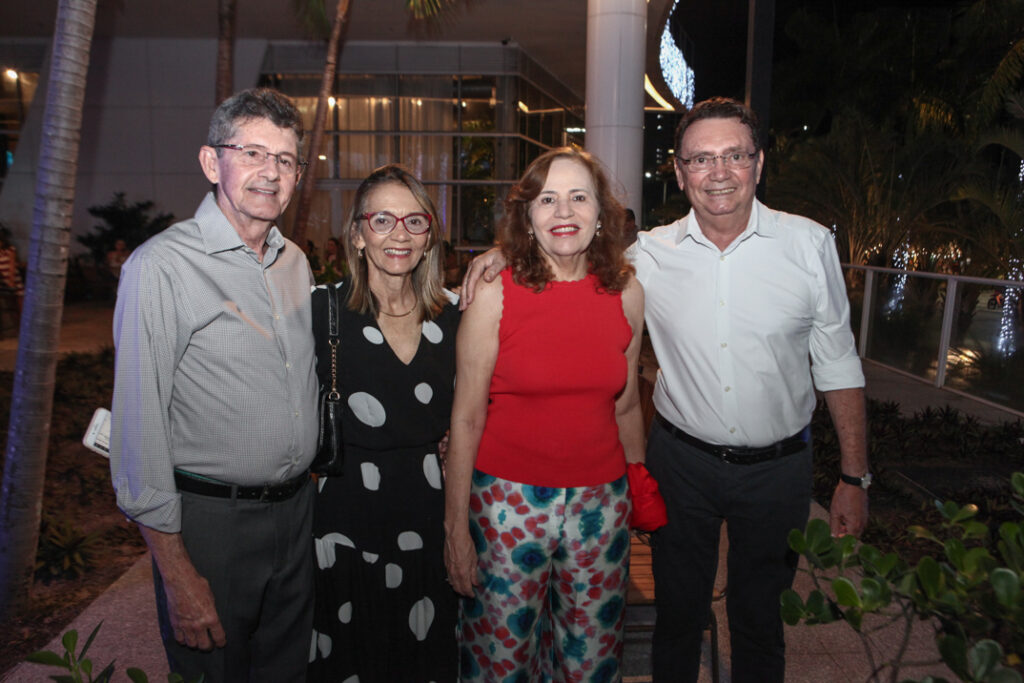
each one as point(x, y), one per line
point(268, 493)
point(739, 455)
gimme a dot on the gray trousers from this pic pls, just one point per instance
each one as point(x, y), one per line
point(258, 560)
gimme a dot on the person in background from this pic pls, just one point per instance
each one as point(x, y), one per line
point(10, 275)
point(214, 413)
point(334, 260)
point(116, 258)
point(546, 416)
point(384, 611)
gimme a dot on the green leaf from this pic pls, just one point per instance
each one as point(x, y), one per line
point(88, 642)
point(106, 674)
point(819, 537)
point(48, 658)
point(875, 594)
point(854, 617)
point(791, 607)
point(70, 640)
point(983, 658)
point(974, 530)
point(929, 574)
point(922, 532)
point(1006, 585)
point(137, 675)
point(976, 560)
point(846, 593)
point(797, 541)
point(954, 654)
point(955, 552)
point(966, 512)
point(1017, 482)
point(1004, 675)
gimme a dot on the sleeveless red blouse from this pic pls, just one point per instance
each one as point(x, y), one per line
point(561, 364)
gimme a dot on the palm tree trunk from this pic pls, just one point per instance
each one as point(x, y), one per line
point(225, 49)
point(28, 433)
point(316, 137)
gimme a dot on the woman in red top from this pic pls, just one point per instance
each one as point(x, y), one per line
point(546, 414)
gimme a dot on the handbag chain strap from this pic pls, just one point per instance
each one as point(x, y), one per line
point(332, 340)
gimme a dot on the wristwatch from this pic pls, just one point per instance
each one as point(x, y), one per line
point(863, 482)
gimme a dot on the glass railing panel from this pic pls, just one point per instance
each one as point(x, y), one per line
point(906, 322)
point(986, 351)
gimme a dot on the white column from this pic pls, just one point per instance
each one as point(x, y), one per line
point(616, 48)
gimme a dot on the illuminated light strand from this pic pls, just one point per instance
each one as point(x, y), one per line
point(677, 73)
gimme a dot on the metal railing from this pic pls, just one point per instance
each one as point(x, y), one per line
point(976, 346)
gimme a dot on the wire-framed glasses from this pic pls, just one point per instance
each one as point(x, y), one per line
point(383, 222)
point(734, 161)
point(255, 155)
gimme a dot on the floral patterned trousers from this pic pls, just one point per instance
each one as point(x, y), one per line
point(554, 565)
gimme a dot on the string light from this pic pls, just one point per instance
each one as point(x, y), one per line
point(677, 73)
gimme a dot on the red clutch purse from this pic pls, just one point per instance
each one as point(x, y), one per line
point(648, 505)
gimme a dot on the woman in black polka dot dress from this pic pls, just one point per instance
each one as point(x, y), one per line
point(384, 611)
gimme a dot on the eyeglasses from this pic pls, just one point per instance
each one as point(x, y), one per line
point(254, 155)
point(383, 222)
point(734, 161)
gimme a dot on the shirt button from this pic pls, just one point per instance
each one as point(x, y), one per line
point(721, 258)
point(287, 365)
point(724, 345)
point(296, 413)
point(732, 430)
point(277, 317)
point(722, 302)
point(728, 388)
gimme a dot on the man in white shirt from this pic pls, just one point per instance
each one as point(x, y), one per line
point(748, 313)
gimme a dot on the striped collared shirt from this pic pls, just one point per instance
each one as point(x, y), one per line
point(214, 371)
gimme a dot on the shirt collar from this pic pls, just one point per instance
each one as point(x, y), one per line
point(219, 235)
point(760, 222)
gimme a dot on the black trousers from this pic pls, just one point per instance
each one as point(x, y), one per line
point(760, 504)
point(258, 561)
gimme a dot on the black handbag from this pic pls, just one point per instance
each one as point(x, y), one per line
point(329, 455)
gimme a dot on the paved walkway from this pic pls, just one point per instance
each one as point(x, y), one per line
point(830, 653)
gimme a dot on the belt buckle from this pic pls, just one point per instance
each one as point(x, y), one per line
point(265, 494)
point(725, 454)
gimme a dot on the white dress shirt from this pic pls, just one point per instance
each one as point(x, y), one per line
point(740, 334)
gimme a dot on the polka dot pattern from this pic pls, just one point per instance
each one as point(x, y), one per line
point(409, 540)
point(423, 393)
point(388, 581)
point(371, 476)
point(367, 409)
point(373, 335)
point(421, 616)
point(432, 471)
point(392, 575)
point(433, 332)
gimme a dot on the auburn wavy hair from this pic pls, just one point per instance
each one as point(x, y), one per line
point(605, 255)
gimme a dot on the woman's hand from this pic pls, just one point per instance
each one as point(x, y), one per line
point(460, 561)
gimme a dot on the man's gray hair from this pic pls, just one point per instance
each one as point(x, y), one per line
point(255, 103)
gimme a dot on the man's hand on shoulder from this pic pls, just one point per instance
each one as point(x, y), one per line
point(487, 266)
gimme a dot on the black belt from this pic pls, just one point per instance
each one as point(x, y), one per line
point(268, 493)
point(740, 455)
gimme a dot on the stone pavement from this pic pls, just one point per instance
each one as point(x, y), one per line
point(815, 654)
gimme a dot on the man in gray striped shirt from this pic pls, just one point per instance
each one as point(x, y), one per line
point(214, 412)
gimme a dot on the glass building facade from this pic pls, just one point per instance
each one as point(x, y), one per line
point(465, 118)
